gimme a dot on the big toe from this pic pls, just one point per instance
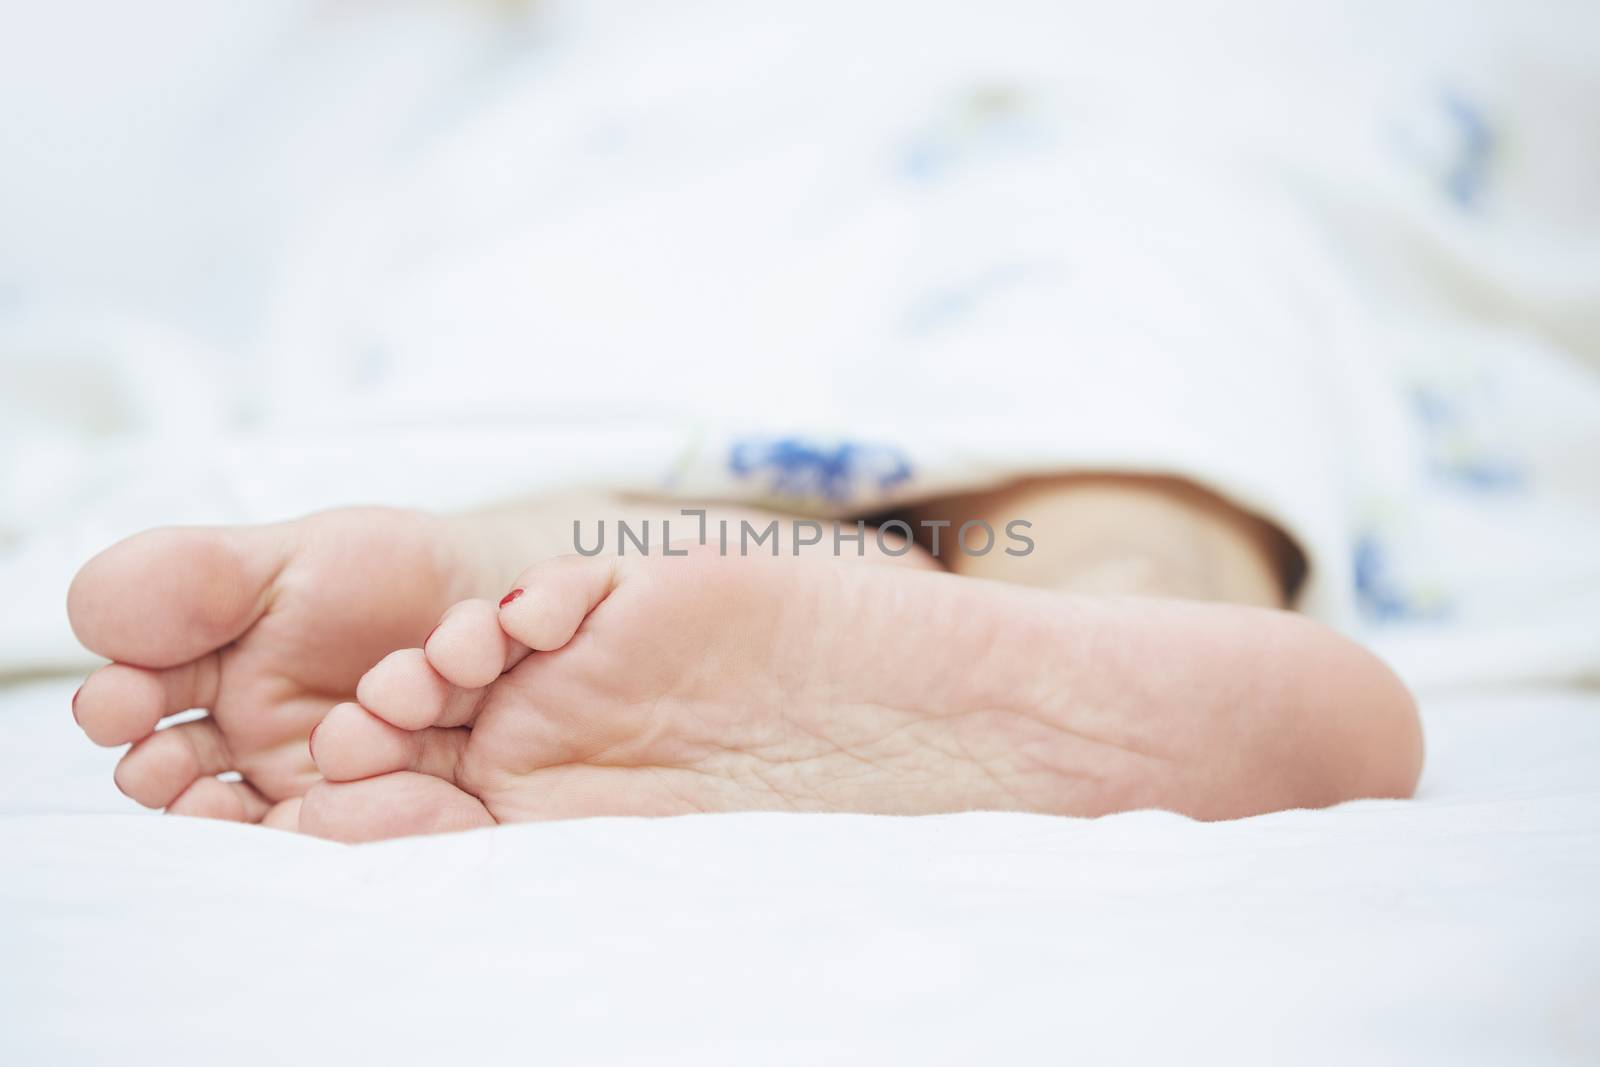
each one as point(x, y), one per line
point(551, 599)
point(167, 596)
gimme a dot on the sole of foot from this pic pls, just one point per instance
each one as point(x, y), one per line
point(263, 628)
point(670, 686)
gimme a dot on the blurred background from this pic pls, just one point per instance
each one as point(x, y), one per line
point(258, 258)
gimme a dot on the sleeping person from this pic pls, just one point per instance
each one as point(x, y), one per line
point(1042, 296)
point(369, 673)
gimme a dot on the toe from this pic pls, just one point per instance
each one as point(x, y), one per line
point(119, 703)
point(351, 743)
point(168, 596)
point(157, 770)
point(550, 600)
point(284, 815)
point(405, 691)
point(212, 798)
point(468, 649)
point(391, 805)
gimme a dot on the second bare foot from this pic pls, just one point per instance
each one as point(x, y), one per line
point(668, 686)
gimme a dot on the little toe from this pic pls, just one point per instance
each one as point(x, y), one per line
point(468, 648)
point(212, 798)
point(157, 770)
point(405, 691)
point(119, 704)
point(550, 600)
point(163, 597)
point(351, 743)
point(284, 815)
point(390, 805)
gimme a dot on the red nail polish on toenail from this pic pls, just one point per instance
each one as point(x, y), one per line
point(509, 597)
point(75, 706)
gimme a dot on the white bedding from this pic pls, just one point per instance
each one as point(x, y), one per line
point(1459, 928)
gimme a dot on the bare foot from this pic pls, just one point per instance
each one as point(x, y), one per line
point(266, 627)
point(666, 686)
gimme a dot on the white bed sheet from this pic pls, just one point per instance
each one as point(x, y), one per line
point(1457, 928)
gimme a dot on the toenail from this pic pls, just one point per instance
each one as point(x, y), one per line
point(75, 706)
point(509, 597)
